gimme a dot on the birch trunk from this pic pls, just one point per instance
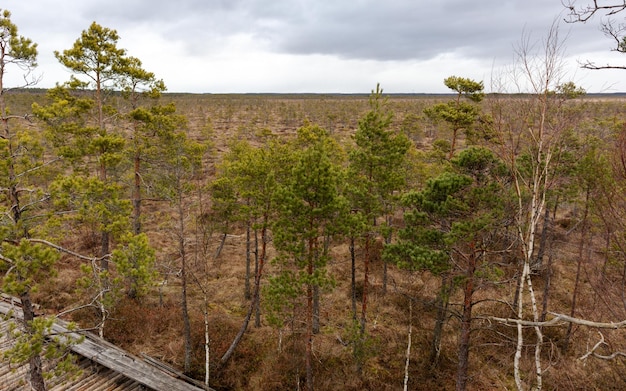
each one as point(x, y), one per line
point(408, 347)
point(207, 350)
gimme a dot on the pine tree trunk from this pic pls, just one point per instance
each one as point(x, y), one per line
point(182, 251)
point(309, 320)
point(222, 242)
point(548, 284)
point(247, 291)
point(581, 247)
point(137, 198)
point(453, 144)
point(466, 324)
point(136, 201)
point(316, 309)
point(105, 237)
point(353, 276)
point(257, 306)
point(442, 301)
point(186, 321)
point(366, 269)
point(104, 251)
point(37, 381)
point(607, 251)
point(387, 241)
point(516, 296)
point(255, 299)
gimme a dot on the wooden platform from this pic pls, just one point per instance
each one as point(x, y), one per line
point(105, 367)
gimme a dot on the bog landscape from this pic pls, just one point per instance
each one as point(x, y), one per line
point(474, 240)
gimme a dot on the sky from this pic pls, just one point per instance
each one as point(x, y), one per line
point(318, 46)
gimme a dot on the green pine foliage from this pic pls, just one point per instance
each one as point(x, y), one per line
point(459, 206)
point(135, 262)
point(309, 207)
point(25, 266)
point(377, 167)
point(462, 113)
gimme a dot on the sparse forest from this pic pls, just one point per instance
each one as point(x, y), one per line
point(474, 240)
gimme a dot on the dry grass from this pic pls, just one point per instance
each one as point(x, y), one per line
point(154, 324)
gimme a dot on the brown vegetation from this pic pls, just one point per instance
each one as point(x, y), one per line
point(272, 359)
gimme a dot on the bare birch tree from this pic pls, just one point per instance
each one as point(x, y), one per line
point(528, 137)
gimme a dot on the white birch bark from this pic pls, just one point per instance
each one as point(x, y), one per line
point(408, 348)
point(207, 351)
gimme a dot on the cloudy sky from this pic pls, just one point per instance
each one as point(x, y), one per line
point(324, 46)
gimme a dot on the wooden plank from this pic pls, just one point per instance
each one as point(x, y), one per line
point(170, 370)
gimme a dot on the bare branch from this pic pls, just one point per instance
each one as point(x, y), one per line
point(67, 251)
point(593, 353)
point(559, 320)
point(588, 323)
point(27, 117)
point(610, 356)
point(27, 206)
point(93, 303)
point(596, 346)
point(608, 27)
point(592, 66)
point(38, 167)
point(584, 13)
point(7, 260)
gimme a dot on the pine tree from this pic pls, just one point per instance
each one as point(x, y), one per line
point(99, 123)
point(458, 113)
point(255, 174)
point(452, 228)
point(310, 208)
point(178, 170)
point(376, 173)
point(25, 168)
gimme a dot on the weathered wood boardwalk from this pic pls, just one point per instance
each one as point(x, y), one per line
point(104, 366)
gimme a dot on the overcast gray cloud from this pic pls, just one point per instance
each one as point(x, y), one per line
point(313, 45)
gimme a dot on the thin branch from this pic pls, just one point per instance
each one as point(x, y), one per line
point(583, 14)
point(609, 357)
point(593, 353)
point(7, 260)
point(615, 32)
point(26, 117)
point(38, 167)
point(93, 303)
point(27, 206)
point(67, 251)
point(596, 346)
point(592, 66)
